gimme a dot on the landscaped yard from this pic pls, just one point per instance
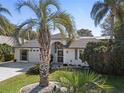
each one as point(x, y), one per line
point(14, 84)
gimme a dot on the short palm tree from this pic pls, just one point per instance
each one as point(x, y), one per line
point(102, 8)
point(48, 17)
point(80, 82)
point(5, 25)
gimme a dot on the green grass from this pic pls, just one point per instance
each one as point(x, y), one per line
point(117, 82)
point(14, 84)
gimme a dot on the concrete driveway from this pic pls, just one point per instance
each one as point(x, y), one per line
point(10, 69)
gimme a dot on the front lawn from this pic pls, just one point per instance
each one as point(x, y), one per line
point(116, 82)
point(13, 85)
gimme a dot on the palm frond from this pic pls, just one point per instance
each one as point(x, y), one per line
point(4, 10)
point(18, 29)
point(96, 8)
point(43, 4)
point(62, 30)
point(99, 10)
point(6, 26)
point(100, 15)
point(30, 4)
point(63, 18)
point(29, 21)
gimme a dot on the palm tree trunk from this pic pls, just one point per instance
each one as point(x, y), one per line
point(112, 27)
point(122, 30)
point(44, 67)
point(44, 41)
point(44, 64)
point(44, 72)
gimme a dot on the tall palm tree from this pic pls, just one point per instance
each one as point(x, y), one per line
point(5, 25)
point(47, 19)
point(102, 8)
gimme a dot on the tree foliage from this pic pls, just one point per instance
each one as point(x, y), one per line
point(5, 25)
point(111, 8)
point(106, 58)
point(6, 52)
point(84, 32)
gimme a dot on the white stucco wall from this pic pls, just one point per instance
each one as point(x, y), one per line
point(17, 54)
point(69, 57)
point(33, 54)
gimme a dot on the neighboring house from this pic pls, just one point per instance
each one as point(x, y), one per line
point(60, 51)
point(8, 40)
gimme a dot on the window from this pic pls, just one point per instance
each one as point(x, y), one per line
point(24, 55)
point(80, 53)
point(58, 45)
point(60, 55)
point(67, 51)
point(76, 54)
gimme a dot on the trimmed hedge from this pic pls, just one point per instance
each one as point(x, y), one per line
point(105, 58)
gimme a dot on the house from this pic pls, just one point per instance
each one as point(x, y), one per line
point(9, 40)
point(61, 52)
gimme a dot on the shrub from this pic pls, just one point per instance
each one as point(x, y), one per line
point(94, 54)
point(105, 58)
point(9, 57)
point(33, 70)
point(6, 52)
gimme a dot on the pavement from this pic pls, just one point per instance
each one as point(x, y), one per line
point(11, 69)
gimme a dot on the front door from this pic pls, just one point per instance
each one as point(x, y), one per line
point(24, 55)
point(60, 55)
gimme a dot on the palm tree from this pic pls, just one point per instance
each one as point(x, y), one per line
point(102, 8)
point(47, 19)
point(5, 26)
point(80, 82)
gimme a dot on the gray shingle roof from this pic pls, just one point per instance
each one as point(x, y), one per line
point(30, 44)
point(82, 42)
point(78, 43)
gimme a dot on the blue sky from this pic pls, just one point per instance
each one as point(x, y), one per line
point(79, 9)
